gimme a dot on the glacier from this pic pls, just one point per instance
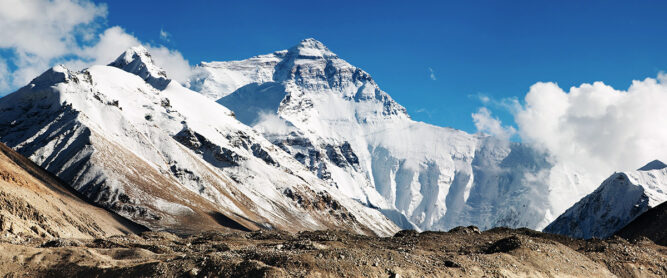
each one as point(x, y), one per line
point(333, 118)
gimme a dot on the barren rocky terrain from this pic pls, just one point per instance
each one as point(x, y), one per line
point(462, 252)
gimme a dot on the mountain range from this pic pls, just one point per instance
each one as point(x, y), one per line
point(298, 139)
point(166, 157)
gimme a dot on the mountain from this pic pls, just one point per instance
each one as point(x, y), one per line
point(333, 118)
point(139, 144)
point(651, 224)
point(34, 203)
point(619, 199)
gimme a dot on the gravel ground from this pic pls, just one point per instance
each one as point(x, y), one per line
point(462, 252)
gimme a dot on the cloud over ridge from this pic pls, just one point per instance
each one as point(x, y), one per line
point(595, 128)
point(69, 33)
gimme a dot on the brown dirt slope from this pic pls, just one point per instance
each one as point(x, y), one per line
point(651, 224)
point(35, 204)
point(462, 252)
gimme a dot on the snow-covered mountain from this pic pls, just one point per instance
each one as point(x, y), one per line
point(619, 199)
point(333, 118)
point(166, 157)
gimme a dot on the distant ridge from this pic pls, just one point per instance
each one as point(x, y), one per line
point(653, 165)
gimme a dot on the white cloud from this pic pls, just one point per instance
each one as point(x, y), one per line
point(44, 28)
point(484, 99)
point(69, 33)
point(37, 37)
point(269, 122)
point(111, 43)
point(595, 128)
point(486, 123)
point(177, 67)
point(431, 74)
point(164, 35)
point(4, 75)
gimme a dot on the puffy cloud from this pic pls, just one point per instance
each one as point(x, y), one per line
point(177, 67)
point(27, 27)
point(486, 123)
point(111, 43)
point(595, 128)
point(69, 34)
point(37, 37)
point(431, 74)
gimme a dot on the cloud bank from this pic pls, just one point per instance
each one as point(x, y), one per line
point(69, 33)
point(592, 130)
point(595, 127)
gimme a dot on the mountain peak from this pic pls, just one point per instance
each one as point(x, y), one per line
point(653, 165)
point(311, 48)
point(137, 60)
point(56, 74)
point(312, 43)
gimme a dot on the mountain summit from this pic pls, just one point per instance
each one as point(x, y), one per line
point(311, 48)
point(653, 165)
point(305, 74)
point(138, 61)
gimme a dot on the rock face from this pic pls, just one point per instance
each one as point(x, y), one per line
point(619, 199)
point(138, 60)
point(143, 146)
point(334, 119)
point(35, 204)
point(651, 224)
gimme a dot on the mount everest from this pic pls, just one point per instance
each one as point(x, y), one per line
point(334, 119)
point(299, 139)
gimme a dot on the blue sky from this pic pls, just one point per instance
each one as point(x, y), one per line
point(492, 48)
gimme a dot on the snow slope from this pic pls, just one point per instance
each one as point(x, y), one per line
point(169, 158)
point(619, 199)
point(333, 118)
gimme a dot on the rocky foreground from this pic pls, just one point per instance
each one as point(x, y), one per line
point(462, 252)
